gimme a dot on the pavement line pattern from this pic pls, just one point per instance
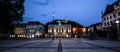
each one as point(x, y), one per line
point(109, 48)
point(87, 47)
point(59, 46)
point(16, 46)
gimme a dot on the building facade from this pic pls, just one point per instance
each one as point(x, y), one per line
point(78, 31)
point(35, 30)
point(111, 20)
point(95, 30)
point(95, 27)
point(56, 30)
point(65, 29)
point(19, 31)
point(111, 15)
point(32, 29)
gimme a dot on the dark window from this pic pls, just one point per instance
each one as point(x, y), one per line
point(104, 24)
point(108, 23)
point(114, 15)
point(110, 17)
point(52, 30)
point(107, 18)
point(66, 30)
point(111, 22)
point(56, 30)
point(62, 30)
point(118, 13)
point(104, 19)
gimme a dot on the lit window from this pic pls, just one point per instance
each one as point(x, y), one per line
point(32, 36)
point(74, 29)
point(84, 30)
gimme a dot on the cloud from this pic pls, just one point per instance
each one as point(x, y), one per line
point(43, 3)
point(43, 15)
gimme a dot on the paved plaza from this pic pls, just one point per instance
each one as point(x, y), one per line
point(59, 45)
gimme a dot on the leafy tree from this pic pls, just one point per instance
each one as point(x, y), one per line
point(11, 12)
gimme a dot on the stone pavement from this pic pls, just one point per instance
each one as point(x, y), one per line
point(59, 45)
point(83, 45)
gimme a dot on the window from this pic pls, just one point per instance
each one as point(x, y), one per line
point(108, 23)
point(118, 13)
point(59, 30)
point(104, 19)
point(66, 30)
point(56, 30)
point(62, 30)
point(110, 17)
point(104, 24)
point(107, 18)
point(111, 22)
point(114, 15)
point(52, 30)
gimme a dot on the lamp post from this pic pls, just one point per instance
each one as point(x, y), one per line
point(117, 23)
point(53, 15)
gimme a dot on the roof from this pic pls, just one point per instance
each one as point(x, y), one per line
point(21, 25)
point(100, 23)
point(34, 23)
point(63, 21)
point(110, 8)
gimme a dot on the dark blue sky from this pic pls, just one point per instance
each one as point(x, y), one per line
point(84, 12)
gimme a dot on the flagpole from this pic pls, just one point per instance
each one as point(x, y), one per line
point(53, 15)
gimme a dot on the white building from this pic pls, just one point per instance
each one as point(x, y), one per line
point(56, 30)
point(111, 20)
point(59, 28)
point(111, 14)
point(35, 29)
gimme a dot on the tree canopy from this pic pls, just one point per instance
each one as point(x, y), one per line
point(11, 12)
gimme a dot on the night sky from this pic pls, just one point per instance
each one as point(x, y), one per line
point(84, 12)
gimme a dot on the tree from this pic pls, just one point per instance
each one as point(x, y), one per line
point(11, 12)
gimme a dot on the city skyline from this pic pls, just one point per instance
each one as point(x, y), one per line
point(78, 11)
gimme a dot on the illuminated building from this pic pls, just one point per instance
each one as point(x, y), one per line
point(32, 29)
point(109, 18)
point(59, 30)
point(20, 31)
point(35, 29)
point(111, 14)
point(64, 28)
point(78, 31)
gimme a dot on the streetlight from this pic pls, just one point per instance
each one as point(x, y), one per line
point(117, 23)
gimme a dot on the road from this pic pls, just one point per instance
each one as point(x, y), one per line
point(59, 45)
